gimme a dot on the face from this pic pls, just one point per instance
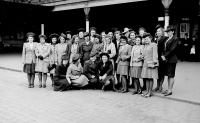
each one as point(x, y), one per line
point(92, 32)
point(96, 40)
point(30, 39)
point(54, 40)
point(170, 33)
point(108, 41)
point(159, 32)
point(126, 34)
point(104, 59)
point(147, 40)
point(103, 34)
point(132, 35)
point(110, 34)
point(93, 58)
point(80, 34)
point(62, 40)
point(65, 62)
point(138, 41)
point(118, 36)
point(141, 32)
point(42, 40)
point(69, 36)
point(87, 38)
point(76, 40)
point(123, 42)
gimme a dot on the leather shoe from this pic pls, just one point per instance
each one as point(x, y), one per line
point(167, 94)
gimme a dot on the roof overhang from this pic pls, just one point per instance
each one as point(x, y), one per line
point(77, 4)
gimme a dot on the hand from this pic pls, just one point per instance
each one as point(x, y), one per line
point(186, 44)
point(92, 76)
point(163, 58)
point(100, 77)
point(104, 76)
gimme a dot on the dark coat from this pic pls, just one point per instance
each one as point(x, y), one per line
point(170, 50)
point(85, 50)
point(107, 69)
point(160, 42)
point(90, 69)
point(59, 78)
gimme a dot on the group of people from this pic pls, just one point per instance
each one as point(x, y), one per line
point(109, 60)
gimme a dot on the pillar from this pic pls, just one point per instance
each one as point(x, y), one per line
point(166, 4)
point(87, 10)
point(42, 29)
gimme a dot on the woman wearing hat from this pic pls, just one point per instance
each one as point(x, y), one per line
point(42, 53)
point(81, 35)
point(131, 38)
point(53, 56)
point(60, 81)
point(160, 39)
point(62, 47)
point(170, 58)
point(74, 47)
point(75, 73)
point(29, 59)
point(69, 37)
point(149, 69)
point(106, 75)
point(126, 32)
point(142, 31)
point(93, 31)
point(136, 64)
point(85, 48)
point(97, 46)
point(123, 61)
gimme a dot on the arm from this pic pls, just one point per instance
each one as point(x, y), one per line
point(24, 54)
point(69, 71)
point(172, 49)
point(155, 53)
point(127, 57)
point(37, 51)
point(113, 51)
point(110, 70)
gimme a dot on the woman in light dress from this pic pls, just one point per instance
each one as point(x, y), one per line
point(74, 47)
point(42, 53)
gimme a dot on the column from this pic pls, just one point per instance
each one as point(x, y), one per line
point(42, 29)
point(87, 10)
point(166, 4)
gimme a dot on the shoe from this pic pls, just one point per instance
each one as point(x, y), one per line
point(167, 94)
point(44, 86)
point(156, 89)
point(40, 86)
point(164, 92)
point(32, 85)
point(160, 90)
point(135, 92)
point(143, 95)
point(124, 91)
point(103, 88)
point(147, 95)
point(140, 91)
point(29, 86)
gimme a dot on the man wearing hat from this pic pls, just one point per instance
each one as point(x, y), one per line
point(90, 70)
point(85, 48)
point(60, 81)
point(42, 53)
point(81, 35)
point(170, 58)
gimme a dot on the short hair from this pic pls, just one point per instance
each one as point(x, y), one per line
point(131, 33)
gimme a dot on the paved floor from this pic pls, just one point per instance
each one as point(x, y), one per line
point(19, 104)
point(187, 80)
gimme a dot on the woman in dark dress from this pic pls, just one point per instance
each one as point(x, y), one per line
point(60, 81)
point(106, 76)
point(160, 43)
point(170, 58)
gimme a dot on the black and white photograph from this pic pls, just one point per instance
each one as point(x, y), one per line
point(99, 61)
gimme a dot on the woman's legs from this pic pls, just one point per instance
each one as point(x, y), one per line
point(32, 79)
point(161, 80)
point(29, 79)
point(147, 86)
point(170, 84)
point(51, 76)
point(150, 86)
point(40, 78)
point(135, 83)
point(124, 84)
point(44, 79)
point(144, 85)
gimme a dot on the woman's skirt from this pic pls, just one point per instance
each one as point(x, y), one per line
point(42, 66)
point(135, 71)
point(29, 68)
point(122, 69)
point(170, 69)
point(149, 73)
point(61, 84)
point(80, 82)
point(161, 70)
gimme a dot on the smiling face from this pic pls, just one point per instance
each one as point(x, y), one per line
point(76, 40)
point(132, 35)
point(92, 32)
point(110, 34)
point(30, 39)
point(138, 41)
point(104, 59)
point(170, 33)
point(147, 40)
point(69, 36)
point(108, 41)
point(159, 32)
point(65, 62)
point(141, 32)
point(54, 40)
point(42, 40)
point(87, 38)
point(96, 40)
point(93, 58)
point(80, 34)
point(123, 41)
point(62, 40)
